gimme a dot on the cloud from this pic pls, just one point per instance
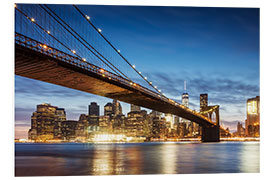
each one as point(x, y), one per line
point(220, 90)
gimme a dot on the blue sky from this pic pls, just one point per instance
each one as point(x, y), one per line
point(216, 50)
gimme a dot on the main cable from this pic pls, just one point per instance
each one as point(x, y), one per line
point(145, 79)
point(52, 15)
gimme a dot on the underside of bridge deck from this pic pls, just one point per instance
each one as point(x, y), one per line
point(35, 65)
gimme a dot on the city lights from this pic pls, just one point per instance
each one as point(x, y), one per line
point(109, 137)
point(252, 107)
point(108, 117)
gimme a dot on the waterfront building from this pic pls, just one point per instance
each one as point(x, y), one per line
point(93, 109)
point(108, 109)
point(240, 130)
point(81, 130)
point(104, 123)
point(116, 108)
point(155, 114)
point(69, 130)
point(46, 122)
point(170, 120)
point(203, 101)
point(253, 117)
point(60, 117)
point(93, 114)
point(134, 108)
point(135, 124)
point(118, 124)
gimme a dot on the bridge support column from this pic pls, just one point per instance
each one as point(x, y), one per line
point(210, 134)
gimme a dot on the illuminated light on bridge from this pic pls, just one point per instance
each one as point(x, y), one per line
point(150, 82)
point(99, 30)
point(49, 32)
point(83, 59)
point(87, 17)
point(45, 46)
point(101, 70)
point(133, 66)
point(32, 19)
point(15, 5)
point(118, 50)
point(145, 78)
point(73, 51)
point(140, 72)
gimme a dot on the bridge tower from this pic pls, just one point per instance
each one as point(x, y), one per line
point(210, 133)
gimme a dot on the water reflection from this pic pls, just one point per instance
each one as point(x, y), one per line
point(107, 161)
point(169, 157)
point(143, 158)
point(250, 157)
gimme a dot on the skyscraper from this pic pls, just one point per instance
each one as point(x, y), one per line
point(93, 109)
point(253, 117)
point(169, 118)
point(185, 97)
point(117, 108)
point(134, 108)
point(203, 101)
point(46, 122)
point(93, 112)
point(108, 109)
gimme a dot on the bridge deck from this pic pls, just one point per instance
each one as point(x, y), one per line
point(40, 64)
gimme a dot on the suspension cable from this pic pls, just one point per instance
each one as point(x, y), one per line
point(33, 21)
point(118, 52)
point(77, 38)
point(53, 14)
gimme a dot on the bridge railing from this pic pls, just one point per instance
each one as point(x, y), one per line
point(62, 56)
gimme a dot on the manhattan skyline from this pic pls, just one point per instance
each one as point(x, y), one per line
point(216, 50)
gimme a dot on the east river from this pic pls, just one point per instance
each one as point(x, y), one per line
point(33, 159)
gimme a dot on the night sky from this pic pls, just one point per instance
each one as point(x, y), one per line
point(216, 50)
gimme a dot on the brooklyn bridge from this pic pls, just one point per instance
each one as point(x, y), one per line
point(62, 46)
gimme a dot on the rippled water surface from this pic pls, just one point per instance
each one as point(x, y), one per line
point(136, 158)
